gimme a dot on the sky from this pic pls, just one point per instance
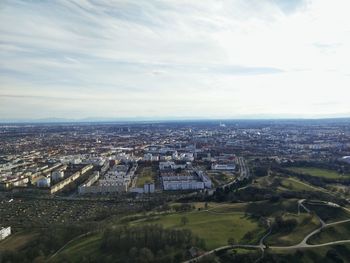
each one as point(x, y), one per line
point(174, 59)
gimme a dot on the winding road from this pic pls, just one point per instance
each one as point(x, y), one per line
point(302, 244)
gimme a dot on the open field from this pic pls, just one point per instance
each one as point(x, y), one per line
point(332, 233)
point(317, 172)
point(229, 220)
point(147, 174)
point(230, 208)
point(268, 209)
point(85, 246)
point(306, 224)
point(328, 214)
point(216, 229)
point(17, 241)
point(283, 183)
point(216, 226)
point(312, 255)
point(293, 184)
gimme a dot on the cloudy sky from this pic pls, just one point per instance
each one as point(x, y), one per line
point(174, 58)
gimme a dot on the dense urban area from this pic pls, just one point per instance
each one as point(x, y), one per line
point(190, 191)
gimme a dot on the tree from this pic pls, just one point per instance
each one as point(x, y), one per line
point(184, 220)
point(133, 253)
point(261, 171)
point(231, 241)
point(146, 255)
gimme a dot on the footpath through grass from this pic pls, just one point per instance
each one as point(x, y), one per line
point(82, 247)
point(293, 184)
point(306, 224)
point(214, 228)
point(332, 233)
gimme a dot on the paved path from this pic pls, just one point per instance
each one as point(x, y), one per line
point(302, 244)
point(68, 243)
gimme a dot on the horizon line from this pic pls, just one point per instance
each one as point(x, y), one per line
point(160, 120)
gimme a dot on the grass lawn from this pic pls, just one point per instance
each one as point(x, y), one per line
point(312, 255)
point(306, 224)
point(216, 229)
point(293, 184)
point(146, 175)
point(317, 172)
point(332, 233)
point(17, 241)
point(85, 246)
point(327, 213)
point(198, 205)
point(230, 208)
point(272, 209)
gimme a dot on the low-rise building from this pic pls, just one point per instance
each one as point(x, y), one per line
point(223, 167)
point(4, 232)
point(43, 182)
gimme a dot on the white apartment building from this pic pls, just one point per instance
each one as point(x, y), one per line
point(5, 232)
point(223, 167)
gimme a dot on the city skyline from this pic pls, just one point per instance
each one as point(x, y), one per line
point(174, 60)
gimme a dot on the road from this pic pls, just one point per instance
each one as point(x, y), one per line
point(244, 173)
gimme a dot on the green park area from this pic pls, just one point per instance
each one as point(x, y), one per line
point(82, 247)
point(326, 254)
point(332, 233)
point(216, 223)
point(305, 224)
point(146, 175)
point(318, 172)
point(214, 228)
point(282, 183)
point(327, 213)
point(17, 241)
point(293, 184)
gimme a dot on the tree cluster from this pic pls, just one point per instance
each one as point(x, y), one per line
point(149, 243)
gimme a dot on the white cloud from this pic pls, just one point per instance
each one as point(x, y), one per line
point(174, 58)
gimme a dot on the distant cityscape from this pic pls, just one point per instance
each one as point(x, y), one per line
point(86, 175)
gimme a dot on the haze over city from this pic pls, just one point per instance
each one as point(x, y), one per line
point(174, 59)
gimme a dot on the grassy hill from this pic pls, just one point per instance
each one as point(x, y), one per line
point(216, 228)
point(318, 172)
point(306, 224)
point(332, 233)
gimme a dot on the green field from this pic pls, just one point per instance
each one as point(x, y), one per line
point(293, 184)
point(147, 175)
point(85, 246)
point(306, 224)
point(311, 255)
point(332, 233)
point(229, 208)
point(271, 209)
point(281, 184)
point(328, 214)
point(317, 172)
point(216, 229)
point(17, 241)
